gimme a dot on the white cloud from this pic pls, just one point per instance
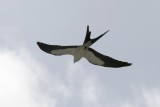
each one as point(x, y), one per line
point(152, 97)
point(90, 93)
point(84, 84)
point(14, 89)
point(24, 82)
point(19, 79)
point(144, 98)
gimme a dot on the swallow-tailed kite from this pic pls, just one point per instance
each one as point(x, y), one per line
point(85, 51)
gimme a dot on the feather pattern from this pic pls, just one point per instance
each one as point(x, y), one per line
point(97, 58)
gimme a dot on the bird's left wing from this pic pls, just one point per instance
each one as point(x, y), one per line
point(56, 49)
point(98, 59)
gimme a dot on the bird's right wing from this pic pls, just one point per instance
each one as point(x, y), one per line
point(98, 59)
point(56, 49)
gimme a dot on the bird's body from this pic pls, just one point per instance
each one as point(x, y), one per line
point(84, 51)
point(79, 53)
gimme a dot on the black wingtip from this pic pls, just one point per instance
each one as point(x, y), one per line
point(39, 44)
point(127, 64)
point(44, 47)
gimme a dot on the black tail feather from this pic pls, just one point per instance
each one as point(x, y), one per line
point(88, 34)
point(95, 39)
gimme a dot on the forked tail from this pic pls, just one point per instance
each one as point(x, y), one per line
point(88, 35)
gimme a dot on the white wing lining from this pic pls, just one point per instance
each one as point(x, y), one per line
point(63, 51)
point(93, 59)
point(56, 49)
point(97, 58)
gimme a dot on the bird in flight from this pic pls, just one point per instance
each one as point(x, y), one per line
point(85, 51)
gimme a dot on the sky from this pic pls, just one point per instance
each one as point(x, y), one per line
point(32, 78)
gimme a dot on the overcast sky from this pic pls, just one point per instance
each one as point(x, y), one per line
point(32, 78)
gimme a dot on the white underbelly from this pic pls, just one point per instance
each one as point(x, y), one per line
point(79, 53)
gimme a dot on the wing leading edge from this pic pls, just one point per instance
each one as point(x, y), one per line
point(97, 58)
point(56, 49)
